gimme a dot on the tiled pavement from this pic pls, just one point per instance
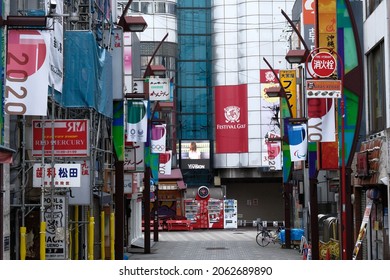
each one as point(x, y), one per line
point(212, 244)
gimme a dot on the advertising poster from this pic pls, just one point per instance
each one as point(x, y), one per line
point(231, 117)
point(27, 72)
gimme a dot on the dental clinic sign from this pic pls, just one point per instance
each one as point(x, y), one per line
point(59, 176)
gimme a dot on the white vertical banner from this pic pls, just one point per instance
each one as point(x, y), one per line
point(158, 139)
point(27, 72)
point(56, 50)
point(322, 121)
point(137, 121)
point(297, 139)
point(274, 150)
point(165, 164)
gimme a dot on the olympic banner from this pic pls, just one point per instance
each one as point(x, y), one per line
point(274, 151)
point(158, 139)
point(321, 123)
point(297, 139)
point(137, 121)
point(27, 72)
point(231, 117)
point(165, 165)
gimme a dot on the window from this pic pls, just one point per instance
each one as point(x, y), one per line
point(376, 89)
point(371, 5)
point(146, 8)
point(159, 8)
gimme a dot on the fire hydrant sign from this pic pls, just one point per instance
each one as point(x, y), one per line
point(323, 64)
point(61, 175)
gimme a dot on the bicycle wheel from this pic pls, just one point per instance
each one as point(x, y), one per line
point(263, 238)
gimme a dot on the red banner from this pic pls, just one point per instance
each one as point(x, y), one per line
point(231, 119)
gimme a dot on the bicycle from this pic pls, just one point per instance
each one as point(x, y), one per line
point(265, 236)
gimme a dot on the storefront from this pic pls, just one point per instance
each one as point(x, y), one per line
point(171, 189)
point(371, 196)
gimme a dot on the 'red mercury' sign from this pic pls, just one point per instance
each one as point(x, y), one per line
point(323, 64)
point(71, 138)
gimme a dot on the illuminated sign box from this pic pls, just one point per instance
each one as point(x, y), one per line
point(194, 154)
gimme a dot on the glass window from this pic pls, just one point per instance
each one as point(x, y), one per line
point(159, 7)
point(371, 5)
point(146, 8)
point(376, 89)
point(171, 8)
point(134, 7)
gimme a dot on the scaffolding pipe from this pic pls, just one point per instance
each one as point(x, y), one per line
point(42, 231)
point(112, 235)
point(22, 243)
point(76, 233)
point(91, 237)
point(42, 241)
point(102, 231)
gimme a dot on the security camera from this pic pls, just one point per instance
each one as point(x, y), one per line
point(53, 6)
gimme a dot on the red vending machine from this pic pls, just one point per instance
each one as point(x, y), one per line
point(205, 212)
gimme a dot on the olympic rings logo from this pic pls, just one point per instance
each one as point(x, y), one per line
point(158, 147)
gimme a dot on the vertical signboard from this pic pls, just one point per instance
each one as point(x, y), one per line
point(308, 9)
point(56, 54)
point(269, 122)
point(56, 224)
point(231, 117)
point(288, 78)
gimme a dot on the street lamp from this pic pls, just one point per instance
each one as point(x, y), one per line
point(298, 57)
point(129, 24)
point(278, 91)
point(151, 70)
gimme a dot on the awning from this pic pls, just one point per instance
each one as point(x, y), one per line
point(6, 154)
point(172, 181)
point(175, 175)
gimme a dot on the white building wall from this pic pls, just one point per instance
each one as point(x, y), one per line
point(243, 32)
point(158, 26)
point(376, 28)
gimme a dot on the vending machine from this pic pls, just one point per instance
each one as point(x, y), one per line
point(192, 208)
point(204, 211)
point(215, 213)
point(230, 213)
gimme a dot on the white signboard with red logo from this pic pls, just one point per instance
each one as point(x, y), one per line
point(323, 64)
point(71, 138)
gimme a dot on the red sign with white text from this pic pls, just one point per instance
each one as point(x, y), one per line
point(231, 119)
point(71, 138)
point(323, 64)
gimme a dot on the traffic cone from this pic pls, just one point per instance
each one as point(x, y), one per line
point(309, 253)
point(304, 252)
